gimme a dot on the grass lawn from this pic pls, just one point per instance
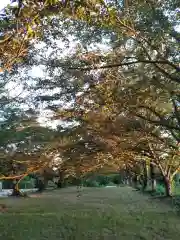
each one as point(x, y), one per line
point(100, 213)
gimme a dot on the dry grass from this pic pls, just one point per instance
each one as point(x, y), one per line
point(100, 213)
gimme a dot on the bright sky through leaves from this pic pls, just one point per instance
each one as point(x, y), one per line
point(4, 3)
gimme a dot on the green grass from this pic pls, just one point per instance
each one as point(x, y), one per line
point(100, 213)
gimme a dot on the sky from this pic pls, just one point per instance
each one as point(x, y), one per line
point(16, 89)
point(4, 3)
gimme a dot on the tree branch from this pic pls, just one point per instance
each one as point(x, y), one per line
point(162, 122)
point(172, 78)
point(116, 65)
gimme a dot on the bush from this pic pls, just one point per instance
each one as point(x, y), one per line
point(160, 189)
point(116, 179)
point(103, 180)
point(72, 181)
point(40, 185)
point(26, 184)
point(7, 184)
point(90, 183)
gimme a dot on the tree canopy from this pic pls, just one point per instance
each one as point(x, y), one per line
point(107, 72)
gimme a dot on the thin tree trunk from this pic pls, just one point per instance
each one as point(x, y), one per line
point(152, 176)
point(168, 186)
point(168, 179)
point(79, 187)
point(145, 176)
point(126, 175)
point(153, 184)
point(120, 176)
point(144, 183)
point(40, 185)
point(45, 183)
point(135, 180)
point(60, 181)
point(15, 191)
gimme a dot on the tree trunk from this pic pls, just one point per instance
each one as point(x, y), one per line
point(60, 180)
point(168, 186)
point(135, 181)
point(153, 184)
point(120, 177)
point(145, 183)
point(127, 175)
point(145, 176)
point(45, 182)
point(59, 183)
point(15, 191)
point(126, 181)
point(152, 176)
point(40, 185)
point(79, 187)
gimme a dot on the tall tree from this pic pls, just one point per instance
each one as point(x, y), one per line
point(138, 75)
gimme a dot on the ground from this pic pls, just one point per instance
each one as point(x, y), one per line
point(100, 213)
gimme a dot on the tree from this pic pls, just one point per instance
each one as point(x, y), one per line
point(24, 21)
point(140, 70)
point(25, 147)
point(100, 116)
point(130, 19)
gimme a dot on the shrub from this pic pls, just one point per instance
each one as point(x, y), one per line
point(26, 184)
point(40, 185)
point(90, 183)
point(160, 189)
point(116, 179)
point(7, 184)
point(103, 180)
